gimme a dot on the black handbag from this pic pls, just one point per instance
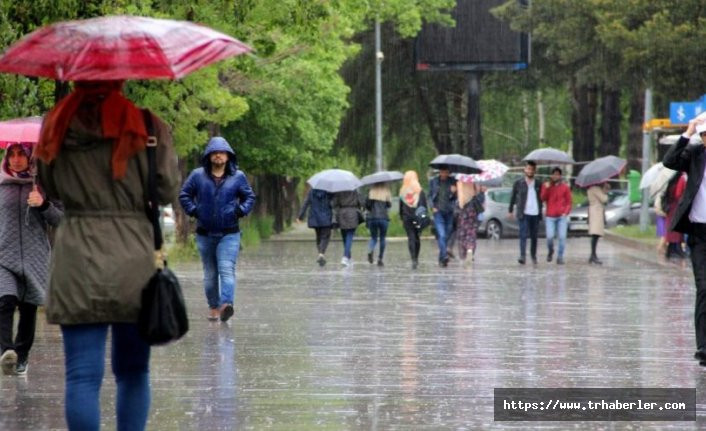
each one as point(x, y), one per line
point(421, 218)
point(162, 317)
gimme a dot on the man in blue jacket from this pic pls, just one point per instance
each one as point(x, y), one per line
point(218, 194)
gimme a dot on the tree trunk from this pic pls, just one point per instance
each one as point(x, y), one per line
point(610, 122)
point(635, 120)
point(474, 145)
point(525, 122)
point(583, 121)
point(540, 120)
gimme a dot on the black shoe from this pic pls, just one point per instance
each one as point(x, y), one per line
point(559, 260)
point(370, 257)
point(700, 355)
point(594, 260)
point(380, 262)
point(550, 255)
point(534, 260)
point(226, 312)
point(321, 260)
point(702, 363)
point(444, 262)
point(521, 261)
point(21, 368)
point(415, 264)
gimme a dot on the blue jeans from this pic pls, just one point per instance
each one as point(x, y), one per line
point(84, 351)
point(444, 224)
point(219, 255)
point(556, 226)
point(347, 236)
point(528, 226)
point(378, 228)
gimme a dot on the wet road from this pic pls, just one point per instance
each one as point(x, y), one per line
point(368, 348)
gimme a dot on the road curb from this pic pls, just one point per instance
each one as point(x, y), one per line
point(629, 242)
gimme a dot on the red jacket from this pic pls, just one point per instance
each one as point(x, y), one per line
point(558, 199)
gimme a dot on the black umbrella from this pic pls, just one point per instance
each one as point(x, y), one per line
point(549, 155)
point(382, 177)
point(600, 170)
point(456, 163)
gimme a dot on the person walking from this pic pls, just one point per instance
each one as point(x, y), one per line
point(597, 198)
point(467, 219)
point(91, 157)
point(378, 203)
point(690, 218)
point(442, 194)
point(526, 195)
point(670, 199)
point(218, 194)
point(318, 203)
point(557, 196)
point(412, 198)
point(347, 209)
point(25, 217)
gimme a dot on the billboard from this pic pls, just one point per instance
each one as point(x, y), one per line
point(479, 41)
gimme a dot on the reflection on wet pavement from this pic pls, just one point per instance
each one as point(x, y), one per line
point(368, 348)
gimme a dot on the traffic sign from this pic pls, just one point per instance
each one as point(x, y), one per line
point(682, 112)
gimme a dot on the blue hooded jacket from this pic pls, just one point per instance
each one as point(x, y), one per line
point(217, 207)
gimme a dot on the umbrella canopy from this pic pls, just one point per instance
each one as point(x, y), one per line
point(334, 180)
point(600, 170)
point(492, 174)
point(651, 175)
point(549, 155)
point(456, 162)
point(118, 47)
point(20, 130)
point(660, 182)
point(382, 177)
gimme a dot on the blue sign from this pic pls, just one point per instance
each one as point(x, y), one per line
point(682, 112)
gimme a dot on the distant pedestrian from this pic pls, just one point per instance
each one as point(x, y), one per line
point(526, 195)
point(469, 204)
point(690, 218)
point(318, 202)
point(92, 159)
point(347, 207)
point(218, 195)
point(442, 194)
point(597, 198)
point(378, 203)
point(557, 195)
point(412, 198)
point(673, 193)
point(660, 224)
point(25, 216)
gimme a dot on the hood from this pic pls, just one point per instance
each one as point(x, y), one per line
point(5, 175)
point(218, 143)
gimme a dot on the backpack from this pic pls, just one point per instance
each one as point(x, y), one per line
point(421, 218)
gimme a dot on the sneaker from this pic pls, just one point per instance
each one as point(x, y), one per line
point(21, 368)
point(321, 260)
point(521, 260)
point(226, 312)
point(370, 257)
point(559, 260)
point(345, 261)
point(8, 361)
point(213, 314)
point(550, 255)
point(380, 262)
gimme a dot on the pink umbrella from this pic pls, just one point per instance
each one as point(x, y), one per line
point(492, 174)
point(20, 130)
point(118, 47)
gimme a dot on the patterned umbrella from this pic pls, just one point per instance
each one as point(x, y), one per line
point(334, 180)
point(118, 47)
point(492, 174)
point(20, 130)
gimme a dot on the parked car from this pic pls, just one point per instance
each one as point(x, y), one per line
point(618, 212)
point(496, 224)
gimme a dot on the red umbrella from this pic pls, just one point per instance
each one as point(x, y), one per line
point(20, 130)
point(118, 47)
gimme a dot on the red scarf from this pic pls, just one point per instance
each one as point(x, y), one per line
point(121, 120)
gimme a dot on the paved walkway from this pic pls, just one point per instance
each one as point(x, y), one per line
point(368, 348)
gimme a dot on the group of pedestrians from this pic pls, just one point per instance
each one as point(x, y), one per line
point(85, 185)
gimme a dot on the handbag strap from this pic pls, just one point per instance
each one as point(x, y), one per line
point(152, 207)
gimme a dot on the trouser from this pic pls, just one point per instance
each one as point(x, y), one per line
point(697, 244)
point(347, 237)
point(24, 339)
point(413, 243)
point(378, 229)
point(529, 225)
point(443, 223)
point(323, 235)
point(556, 226)
point(84, 351)
point(219, 255)
point(594, 244)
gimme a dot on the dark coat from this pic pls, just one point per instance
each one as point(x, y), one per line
point(377, 210)
point(434, 186)
point(217, 207)
point(347, 205)
point(318, 202)
point(407, 213)
point(690, 159)
point(519, 197)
